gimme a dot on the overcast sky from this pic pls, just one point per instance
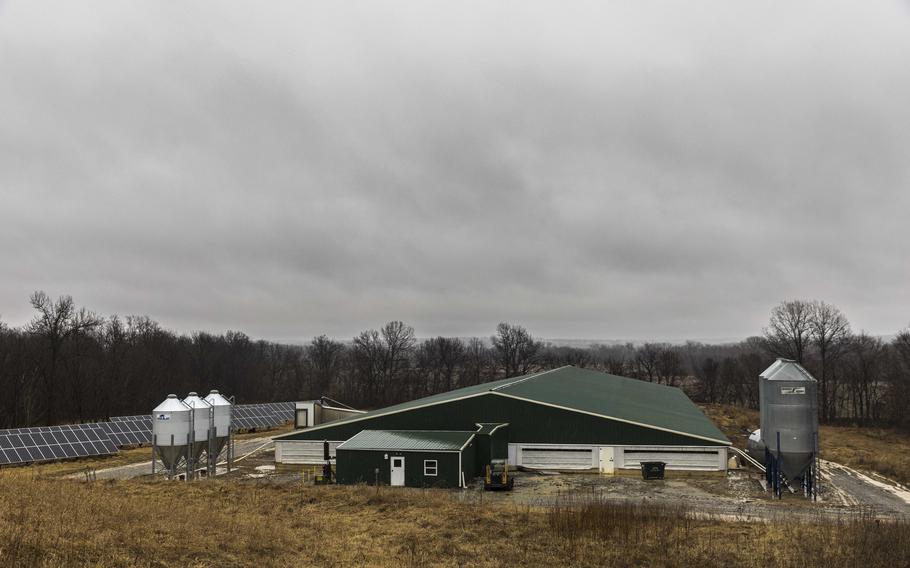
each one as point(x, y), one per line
point(590, 170)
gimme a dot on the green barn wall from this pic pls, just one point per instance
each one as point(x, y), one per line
point(482, 454)
point(359, 466)
point(469, 461)
point(499, 443)
point(528, 423)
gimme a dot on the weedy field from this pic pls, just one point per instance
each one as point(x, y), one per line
point(55, 523)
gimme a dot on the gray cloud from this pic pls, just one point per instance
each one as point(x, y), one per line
point(635, 170)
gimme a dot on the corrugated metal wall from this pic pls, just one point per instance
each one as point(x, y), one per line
point(302, 451)
point(556, 458)
point(688, 458)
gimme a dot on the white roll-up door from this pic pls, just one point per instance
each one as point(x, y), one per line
point(302, 451)
point(704, 459)
point(557, 458)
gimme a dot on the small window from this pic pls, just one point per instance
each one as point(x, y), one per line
point(430, 467)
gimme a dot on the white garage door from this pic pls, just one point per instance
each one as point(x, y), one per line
point(705, 459)
point(302, 451)
point(557, 458)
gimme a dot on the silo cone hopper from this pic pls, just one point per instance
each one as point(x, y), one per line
point(170, 431)
point(200, 422)
point(170, 456)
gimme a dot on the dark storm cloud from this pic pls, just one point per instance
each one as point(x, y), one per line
point(600, 170)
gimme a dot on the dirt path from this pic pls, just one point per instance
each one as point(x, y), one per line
point(873, 492)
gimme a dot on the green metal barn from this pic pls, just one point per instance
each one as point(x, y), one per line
point(562, 419)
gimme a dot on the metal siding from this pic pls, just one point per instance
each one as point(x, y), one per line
point(302, 451)
point(359, 466)
point(688, 459)
point(556, 458)
point(330, 414)
point(482, 453)
point(470, 461)
point(499, 443)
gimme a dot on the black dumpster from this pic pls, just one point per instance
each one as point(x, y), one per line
point(652, 470)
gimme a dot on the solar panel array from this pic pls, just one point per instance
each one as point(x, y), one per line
point(129, 430)
point(132, 418)
point(46, 443)
point(256, 416)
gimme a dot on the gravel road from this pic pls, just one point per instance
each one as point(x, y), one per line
point(241, 448)
point(736, 496)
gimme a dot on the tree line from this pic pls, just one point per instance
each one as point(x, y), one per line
point(68, 364)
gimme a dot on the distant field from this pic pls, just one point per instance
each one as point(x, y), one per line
point(225, 523)
point(878, 450)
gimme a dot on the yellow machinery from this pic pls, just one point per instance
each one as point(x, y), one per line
point(498, 477)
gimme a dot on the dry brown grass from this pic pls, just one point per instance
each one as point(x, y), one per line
point(642, 529)
point(224, 523)
point(879, 450)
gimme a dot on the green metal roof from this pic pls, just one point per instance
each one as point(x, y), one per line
point(629, 400)
point(581, 390)
point(408, 440)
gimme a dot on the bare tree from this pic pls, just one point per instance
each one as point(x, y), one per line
point(789, 332)
point(709, 373)
point(440, 358)
point(516, 349)
point(669, 365)
point(324, 356)
point(399, 347)
point(646, 360)
point(55, 323)
point(830, 332)
point(866, 366)
point(367, 360)
point(477, 361)
point(899, 380)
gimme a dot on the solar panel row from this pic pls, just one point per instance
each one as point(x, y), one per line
point(134, 431)
point(131, 418)
point(45, 443)
point(250, 416)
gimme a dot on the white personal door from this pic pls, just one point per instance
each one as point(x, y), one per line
point(606, 459)
point(397, 465)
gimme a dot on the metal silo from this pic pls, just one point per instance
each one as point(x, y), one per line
point(222, 425)
point(789, 425)
point(200, 420)
point(170, 432)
